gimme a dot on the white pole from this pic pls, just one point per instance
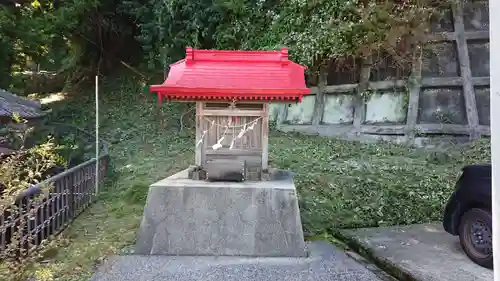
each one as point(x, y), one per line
point(97, 134)
point(494, 7)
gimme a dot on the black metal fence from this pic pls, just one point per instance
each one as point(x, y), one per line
point(37, 214)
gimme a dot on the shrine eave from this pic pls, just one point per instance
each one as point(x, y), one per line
point(200, 94)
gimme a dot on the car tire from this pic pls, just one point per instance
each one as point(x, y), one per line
point(475, 232)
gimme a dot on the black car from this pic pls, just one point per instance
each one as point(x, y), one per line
point(468, 214)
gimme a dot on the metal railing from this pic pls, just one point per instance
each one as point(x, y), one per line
point(37, 215)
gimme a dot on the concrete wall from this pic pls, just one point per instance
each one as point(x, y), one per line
point(381, 108)
point(448, 93)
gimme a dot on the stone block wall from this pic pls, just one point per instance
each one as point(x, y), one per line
point(444, 91)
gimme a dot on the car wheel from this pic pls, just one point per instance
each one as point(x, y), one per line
point(475, 232)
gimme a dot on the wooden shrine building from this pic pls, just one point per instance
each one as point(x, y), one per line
point(232, 91)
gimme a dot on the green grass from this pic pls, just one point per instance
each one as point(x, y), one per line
point(341, 184)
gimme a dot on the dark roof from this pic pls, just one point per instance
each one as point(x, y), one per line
point(10, 103)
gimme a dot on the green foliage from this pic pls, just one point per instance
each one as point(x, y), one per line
point(167, 27)
point(315, 31)
point(83, 37)
point(24, 168)
point(38, 153)
point(6, 47)
point(36, 32)
point(26, 165)
point(18, 171)
point(248, 25)
point(74, 36)
point(318, 31)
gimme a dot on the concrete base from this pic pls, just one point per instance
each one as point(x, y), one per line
point(422, 252)
point(188, 217)
point(325, 263)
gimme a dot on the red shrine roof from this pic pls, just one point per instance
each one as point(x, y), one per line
point(229, 75)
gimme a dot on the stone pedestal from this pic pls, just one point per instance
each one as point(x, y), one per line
point(198, 218)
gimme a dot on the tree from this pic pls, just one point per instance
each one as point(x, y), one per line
point(168, 26)
point(320, 31)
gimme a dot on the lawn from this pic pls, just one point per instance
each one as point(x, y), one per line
point(341, 184)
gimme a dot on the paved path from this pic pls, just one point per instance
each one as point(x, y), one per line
point(325, 263)
point(423, 252)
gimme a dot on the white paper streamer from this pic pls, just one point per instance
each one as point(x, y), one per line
point(242, 132)
point(251, 126)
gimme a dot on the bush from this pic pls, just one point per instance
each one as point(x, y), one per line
point(19, 210)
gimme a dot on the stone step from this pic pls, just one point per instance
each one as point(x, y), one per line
point(325, 263)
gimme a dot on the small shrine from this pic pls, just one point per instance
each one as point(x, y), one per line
point(230, 203)
point(232, 91)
